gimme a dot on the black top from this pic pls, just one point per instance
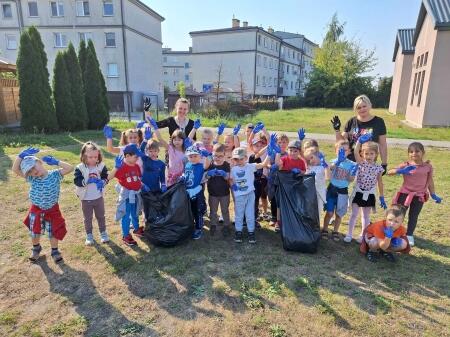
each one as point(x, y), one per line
point(355, 128)
point(259, 172)
point(172, 125)
point(218, 186)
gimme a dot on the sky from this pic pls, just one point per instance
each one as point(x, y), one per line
point(373, 22)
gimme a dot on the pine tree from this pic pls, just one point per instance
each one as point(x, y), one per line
point(38, 113)
point(77, 89)
point(82, 55)
point(102, 79)
point(65, 110)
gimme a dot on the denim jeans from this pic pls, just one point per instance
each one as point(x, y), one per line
point(245, 205)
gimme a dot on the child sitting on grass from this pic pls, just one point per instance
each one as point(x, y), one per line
point(44, 214)
point(386, 236)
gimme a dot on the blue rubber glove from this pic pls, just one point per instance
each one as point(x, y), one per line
point(140, 124)
point(28, 152)
point(145, 188)
point(234, 187)
point(136, 150)
point(148, 133)
point(50, 160)
point(276, 148)
point(211, 173)
point(258, 127)
point(382, 202)
point(118, 162)
point(107, 132)
point(296, 171)
point(365, 138)
point(205, 153)
point(354, 170)
point(220, 128)
point(323, 163)
point(341, 156)
point(273, 168)
point(163, 188)
point(197, 124)
point(389, 232)
point(236, 129)
point(436, 198)
point(301, 134)
point(100, 184)
point(152, 122)
point(221, 173)
point(194, 191)
point(92, 180)
point(396, 242)
point(406, 170)
point(187, 142)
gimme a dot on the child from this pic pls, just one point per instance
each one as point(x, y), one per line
point(242, 180)
point(218, 189)
point(386, 236)
point(130, 136)
point(193, 176)
point(343, 171)
point(44, 214)
point(367, 179)
point(310, 143)
point(316, 164)
point(129, 203)
point(248, 131)
point(231, 141)
point(91, 176)
point(417, 182)
point(154, 175)
point(207, 135)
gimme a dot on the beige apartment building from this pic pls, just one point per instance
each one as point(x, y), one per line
point(126, 35)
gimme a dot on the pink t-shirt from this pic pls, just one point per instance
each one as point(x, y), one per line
point(176, 165)
point(419, 179)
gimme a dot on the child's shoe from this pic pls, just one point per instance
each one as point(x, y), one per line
point(348, 239)
point(251, 237)
point(104, 237)
point(198, 233)
point(35, 253)
point(56, 255)
point(89, 239)
point(220, 219)
point(129, 241)
point(238, 237)
point(410, 240)
point(139, 232)
point(389, 256)
point(359, 239)
point(372, 256)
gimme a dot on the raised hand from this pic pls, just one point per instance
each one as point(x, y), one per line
point(147, 104)
point(341, 156)
point(301, 134)
point(107, 132)
point(365, 138)
point(197, 124)
point(354, 170)
point(296, 171)
point(152, 122)
point(323, 163)
point(382, 202)
point(205, 153)
point(389, 232)
point(236, 129)
point(221, 128)
point(118, 162)
point(406, 170)
point(140, 124)
point(28, 152)
point(258, 127)
point(336, 122)
point(187, 142)
point(148, 133)
point(437, 199)
point(50, 160)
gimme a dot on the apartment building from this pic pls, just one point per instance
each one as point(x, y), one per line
point(177, 67)
point(126, 35)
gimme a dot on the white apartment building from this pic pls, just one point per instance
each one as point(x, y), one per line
point(126, 35)
point(177, 67)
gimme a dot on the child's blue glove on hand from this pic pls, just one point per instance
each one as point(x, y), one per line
point(301, 134)
point(107, 132)
point(258, 127)
point(98, 182)
point(437, 199)
point(205, 153)
point(323, 163)
point(152, 122)
point(236, 129)
point(341, 156)
point(148, 133)
point(140, 124)
point(354, 170)
point(118, 162)
point(406, 170)
point(389, 232)
point(221, 128)
point(295, 171)
point(221, 173)
point(274, 168)
point(382, 202)
point(365, 138)
point(187, 142)
point(50, 160)
point(211, 173)
point(396, 242)
point(28, 152)
point(197, 124)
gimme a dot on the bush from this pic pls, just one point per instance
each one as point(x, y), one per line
point(65, 109)
point(228, 108)
point(293, 102)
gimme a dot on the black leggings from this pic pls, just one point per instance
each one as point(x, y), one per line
point(414, 210)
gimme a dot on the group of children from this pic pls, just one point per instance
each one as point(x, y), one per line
point(228, 169)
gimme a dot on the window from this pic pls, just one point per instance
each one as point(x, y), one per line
point(412, 92)
point(421, 87)
point(7, 11)
point(292, 85)
point(265, 42)
point(108, 8)
point(60, 40)
point(110, 39)
point(259, 40)
point(289, 53)
point(186, 65)
point(271, 64)
point(165, 59)
point(426, 59)
point(269, 82)
point(421, 60)
point(57, 8)
point(175, 83)
point(276, 46)
point(113, 70)
point(257, 79)
point(274, 82)
point(186, 78)
point(11, 42)
point(85, 37)
point(258, 60)
point(264, 81)
point(265, 62)
point(83, 8)
point(417, 62)
point(175, 71)
point(32, 9)
point(165, 72)
point(287, 68)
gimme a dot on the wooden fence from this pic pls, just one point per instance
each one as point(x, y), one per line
point(9, 102)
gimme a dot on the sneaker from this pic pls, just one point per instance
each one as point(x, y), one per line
point(35, 253)
point(410, 240)
point(359, 239)
point(277, 227)
point(89, 240)
point(251, 237)
point(348, 239)
point(198, 233)
point(389, 256)
point(139, 232)
point(129, 241)
point(220, 219)
point(212, 230)
point(226, 231)
point(104, 237)
point(372, 256)
point(238, 237)
point(56, 256)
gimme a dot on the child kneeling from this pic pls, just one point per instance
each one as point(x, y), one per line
point(386, 236)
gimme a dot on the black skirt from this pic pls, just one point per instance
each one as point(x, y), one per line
point(358, 199)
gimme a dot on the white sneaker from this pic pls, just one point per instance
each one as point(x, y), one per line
point(89, 240)
point(220, 219)
point(348, 239)
point(359, 239)
point(104, 237)
point(411, 240)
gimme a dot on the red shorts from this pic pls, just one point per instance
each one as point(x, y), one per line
point(50, 220)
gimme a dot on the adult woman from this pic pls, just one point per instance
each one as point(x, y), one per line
point(364, 122)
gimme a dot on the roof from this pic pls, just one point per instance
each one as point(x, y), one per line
point(147, 9)
point(176, 51)
point(404, 40)
point(188, 91)
point(287, 35)
point(7, 66)
point(438, 10)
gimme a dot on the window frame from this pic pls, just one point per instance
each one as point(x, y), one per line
point(10, 9)
point(59, 5)
point(108, 68)
point(110, 2)
point(82, 2)
point(61, 39)
point(106, 40)
point(7, 41)
point(85, 40)
point(37, 9)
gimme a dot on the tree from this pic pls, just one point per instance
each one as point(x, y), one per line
point(181, 87)
point(82, 55)
point(382, 93)
point(335, 29)
point(38, 113)
point(218, 84)
point(65, 109)
point(77, 89)
point(101, 78)
point(242, 86)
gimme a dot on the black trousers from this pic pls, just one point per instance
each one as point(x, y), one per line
point(414, 210)
point(198, 207)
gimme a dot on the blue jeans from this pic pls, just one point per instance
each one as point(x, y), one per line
point(130, 216)
point(198, 207)
point(245, 205)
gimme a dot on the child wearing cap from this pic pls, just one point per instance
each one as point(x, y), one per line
point(242, 180)
point(44, 214)
point(129, 203)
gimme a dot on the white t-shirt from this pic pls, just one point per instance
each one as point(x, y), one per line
point(92, 193)
point(244, 178)
point(321, 185)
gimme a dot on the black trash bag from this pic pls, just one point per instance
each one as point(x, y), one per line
point(300, 225)
point(169, 218)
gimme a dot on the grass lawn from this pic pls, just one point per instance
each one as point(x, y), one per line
point(214, 287)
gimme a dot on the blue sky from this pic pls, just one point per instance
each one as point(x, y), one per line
point(373, 22)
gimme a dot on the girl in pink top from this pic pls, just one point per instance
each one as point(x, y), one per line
point(417, 185)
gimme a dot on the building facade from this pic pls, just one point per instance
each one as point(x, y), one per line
point(177, 67)
point(126, 35)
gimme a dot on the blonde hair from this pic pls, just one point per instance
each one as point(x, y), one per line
point(207, 132)
point(312, 150)
point(126, 133)
point(310, 143)
point(90, 146)
point(370, 146)
point(282, 136)
point(361, 99)
point(179, 101)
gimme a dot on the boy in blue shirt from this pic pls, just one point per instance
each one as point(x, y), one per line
point(343, 172)
point(153, 175)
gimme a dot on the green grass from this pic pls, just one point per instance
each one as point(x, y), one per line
point(213, 287)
